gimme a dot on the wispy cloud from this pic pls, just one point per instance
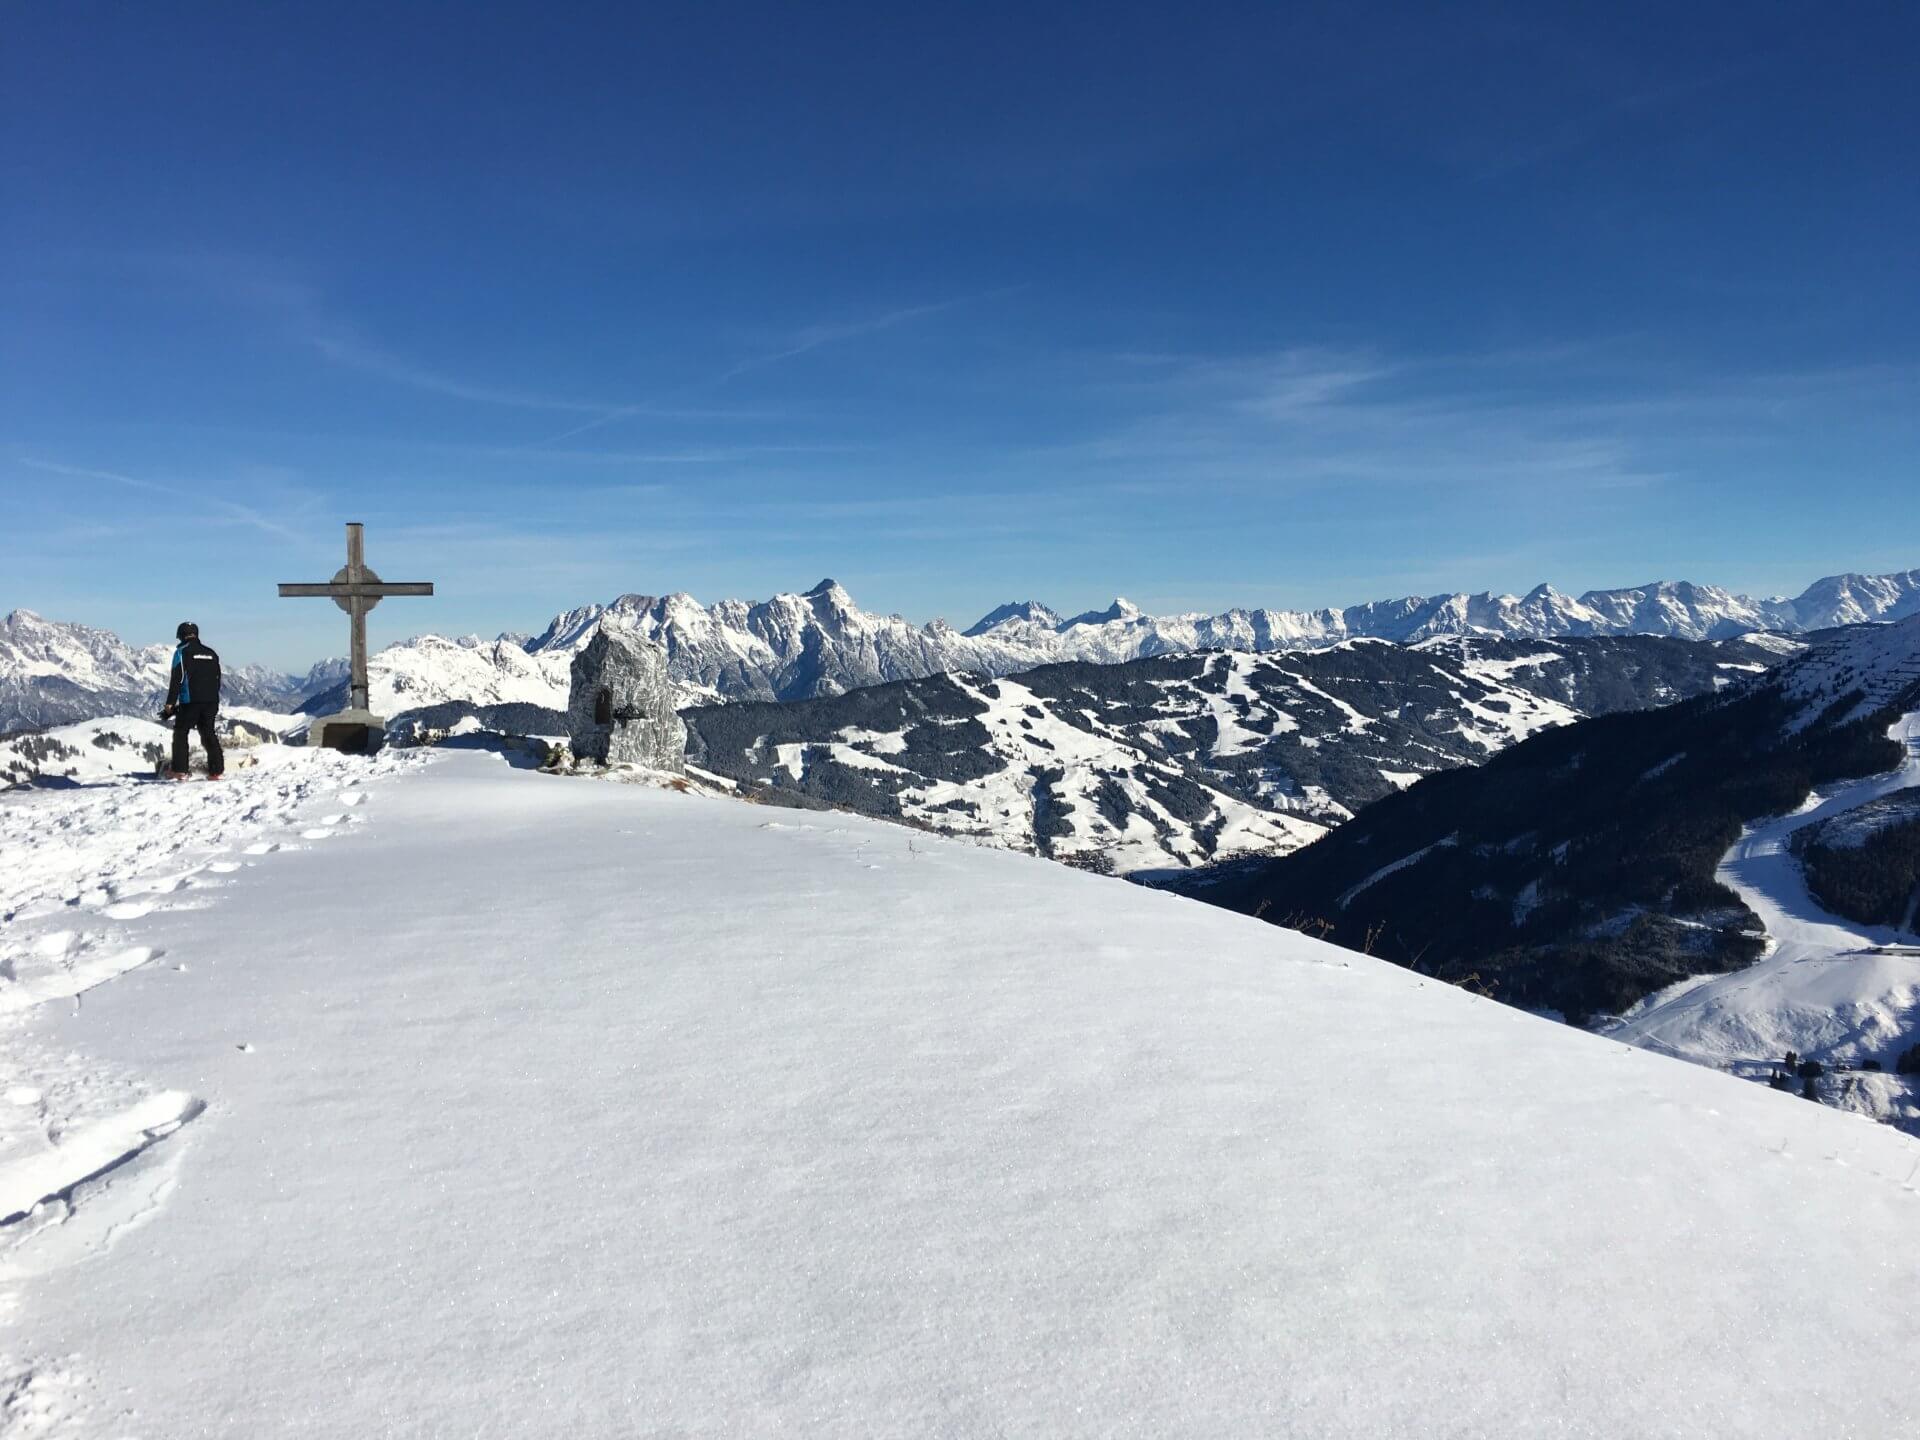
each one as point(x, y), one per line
point(1531, 428)
point(303, 313)
point(813, 337)
point(194, 503)
point(371, 361)
point(1306, 417)
point(801, 342)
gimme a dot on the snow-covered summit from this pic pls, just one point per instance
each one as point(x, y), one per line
point(1121, 612)
point(720, 1120)
point(1025, 612)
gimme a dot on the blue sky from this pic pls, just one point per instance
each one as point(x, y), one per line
point(1204, 305)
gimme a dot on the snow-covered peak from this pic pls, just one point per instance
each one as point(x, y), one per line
point(1021, 612)
point(1121, 611)
point(571, 629)
point(1849, 599)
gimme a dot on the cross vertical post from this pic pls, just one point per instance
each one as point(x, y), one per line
point(356, 590)
point(356, 576)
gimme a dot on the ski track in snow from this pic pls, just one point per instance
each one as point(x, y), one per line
point(80, 1160)
point(1827, 988)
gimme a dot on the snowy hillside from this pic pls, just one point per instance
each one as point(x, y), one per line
point(119, 746)
point(1685, 867)
point(1859, 672)
point(429, 670)
point(87, 751)
point(1837, 992)
point(1170, 761)
point(992, 761)
point(723, 1120)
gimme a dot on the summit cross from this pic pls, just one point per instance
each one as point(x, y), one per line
point(356, 590)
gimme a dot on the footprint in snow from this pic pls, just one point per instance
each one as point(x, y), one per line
point(54, 1174)
point(154, 884)
point(263, 847)
point(224, 867)
point(66, 970)
point(319, 832)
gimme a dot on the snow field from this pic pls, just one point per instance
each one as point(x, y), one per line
point(599, 1109)
point(82, 865)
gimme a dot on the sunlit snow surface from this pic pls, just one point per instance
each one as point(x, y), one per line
point(540, 1106)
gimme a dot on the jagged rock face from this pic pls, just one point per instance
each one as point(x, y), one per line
point(620, 703)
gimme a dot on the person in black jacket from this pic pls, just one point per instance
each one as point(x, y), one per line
point(193, 699)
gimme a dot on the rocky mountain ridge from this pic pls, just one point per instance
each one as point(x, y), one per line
point(796, 646)
point(821, 643)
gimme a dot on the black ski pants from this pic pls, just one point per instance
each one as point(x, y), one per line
point(188, 718)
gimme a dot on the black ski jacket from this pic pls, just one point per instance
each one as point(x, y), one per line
point(195, 679)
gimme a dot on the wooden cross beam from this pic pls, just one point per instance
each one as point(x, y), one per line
point(356, 590)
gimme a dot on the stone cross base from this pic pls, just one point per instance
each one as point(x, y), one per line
point(359, 731)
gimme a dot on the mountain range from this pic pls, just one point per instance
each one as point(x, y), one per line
point(821, 643)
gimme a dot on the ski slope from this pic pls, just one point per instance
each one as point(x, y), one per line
point(1828, 989)
point(463, 1100)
